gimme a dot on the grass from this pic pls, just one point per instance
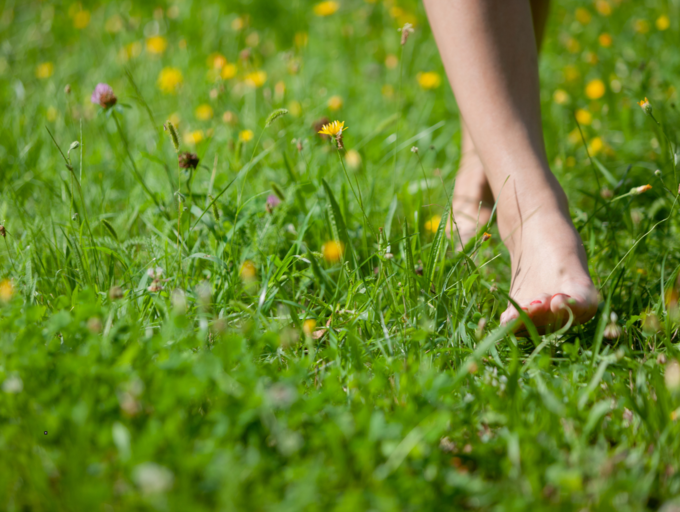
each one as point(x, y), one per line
point(169, 342)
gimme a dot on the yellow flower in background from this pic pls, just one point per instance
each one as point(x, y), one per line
point(605, 40)
point(175, 119)
point(353, 159)
point(333, 129)
point(663, 22)
point(6, 291)
point(391, 61)
point(301, 39)
point(326, 8)
point(294, 108)
point(194, 137)
point(574, 137)
point(641, 26)
point(237, 24)
point(216, 61)
point(571, 73)
point(584, 117)
point(246, 135)
point(228, 71)
point(308, 327)
point(256, 78)
point(130, 51)
point(596, 145)
point(248, 271)
point(603, 7)
point(279, 90)
point(332, 251)
point(335, 102)
point(81, 19)
point(156, 45)
point(169, 80)
point(204, 112)
point(595, 89)
point(387, 90)
point(433, 224)
point(590, 58)
point(114, 24)
point(429, 80)
point(44, 70)
point(51, 114)
point(573, 46)
point(583, 16)
point(561, 97)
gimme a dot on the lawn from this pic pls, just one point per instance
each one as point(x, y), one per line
point(207, 305)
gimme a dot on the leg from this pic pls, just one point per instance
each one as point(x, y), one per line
point(472, 198)
point(489, 51)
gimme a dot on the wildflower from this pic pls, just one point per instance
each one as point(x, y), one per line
point(295, 108)
point(595, 146)
point(486, 236)
point(103, 96)
point(326, 8)
point(334, 129)
point(606, 193)
point(188, 160)
point(204, 112)
point(216, 61)
point(433, 224)
point(429, 80)
point(237, 23)
point(155, 273)
point(414, 149)
point(248, 272)
point(584, 117)
point(646, 106)
point(156, 45)
point(353, 159)
point(573, 46)
point(319, 124)
point(152, 478)
point(391, 61)
point(613, 330)
point(595, 89)
point(603, 7)
point(672, 376)
point(155, 286)
point(44, 70)
point(641, 26)
point(81, 19)
point(6, 291)
point(663, 22)
point(571, 73)
point(406, 31)
point(636, 191)
point(308, 327)
point(114, 24)
point(256, 78)
point(272, 202)
point(194, 137)
point(130, 51)
point(334, 102)
point(228, 71)
point(560, 97)
point(246, 135)
point(332, 251)
point(115, 293)
point(605, 40)
point(169, 80)
point(583, 16)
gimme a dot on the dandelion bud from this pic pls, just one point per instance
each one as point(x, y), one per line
point(485, 237)
point(103, 96)
point(636, 191)
point(275, 115)
point(646, 106)
point(3, 231)
point(188, 160)
point(74, 145)
point(612, 330)
point(308, 327)
point(657, 173)
point(406, 31)
point(173, 134)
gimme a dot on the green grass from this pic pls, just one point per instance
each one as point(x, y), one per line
point(262, 377)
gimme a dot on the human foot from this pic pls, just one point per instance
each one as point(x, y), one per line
point(471, 189)
point(549, 266)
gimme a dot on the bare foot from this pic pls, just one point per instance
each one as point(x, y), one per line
point(471, 189)
point(549, 264)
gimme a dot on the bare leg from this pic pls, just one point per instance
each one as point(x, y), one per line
point(489, 50)
point(472, 198)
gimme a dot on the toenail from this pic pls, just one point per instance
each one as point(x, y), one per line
point(525, 309)
point(536, 302)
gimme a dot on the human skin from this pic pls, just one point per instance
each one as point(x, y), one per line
point(490, 52)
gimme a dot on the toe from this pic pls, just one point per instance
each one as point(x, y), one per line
point(509, 315)
point(539, 310)
point(582, 308)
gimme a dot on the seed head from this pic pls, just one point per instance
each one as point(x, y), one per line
point(67, 89)
point(485, 237)
point(188, 160)
point(406, 31)
point(275, 115)
point(636, 191)
point(103, 96)
point(169, 127)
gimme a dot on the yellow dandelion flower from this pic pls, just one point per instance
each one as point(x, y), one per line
point(228, 71)
point(279, 90)
point(590, 58)
point(130, 51)
point(605, 40)
point(429, 80)
point(237, 24)
point(332, 251)
point(156, 45)
point(560, 97)
point(295, 108)
point(391, 61)
point(194, 137)
point(353, 159)
point(6, 291)
point(595, 89)
point(595, 146)
point(571, 74)
point(335, 102)
point(44, 70)
point(114, 24)
point(573, 46)
point(81, 19)
point(308, 327)
point(326, 8)
point(229, 117)
point(583, 16)
point(641, 26)
point(248, 271)
point(256, 78)
point(204, 112)
point(433, 224)
point(169, 80)
point(246, 135)
point(216, 61)
point(333, 129)
point(663, 22)
point(301, 39)
point(603, 7)
point(574, 137)
point(584, 117)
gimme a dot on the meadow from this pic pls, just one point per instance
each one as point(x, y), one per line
point(205, 304)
